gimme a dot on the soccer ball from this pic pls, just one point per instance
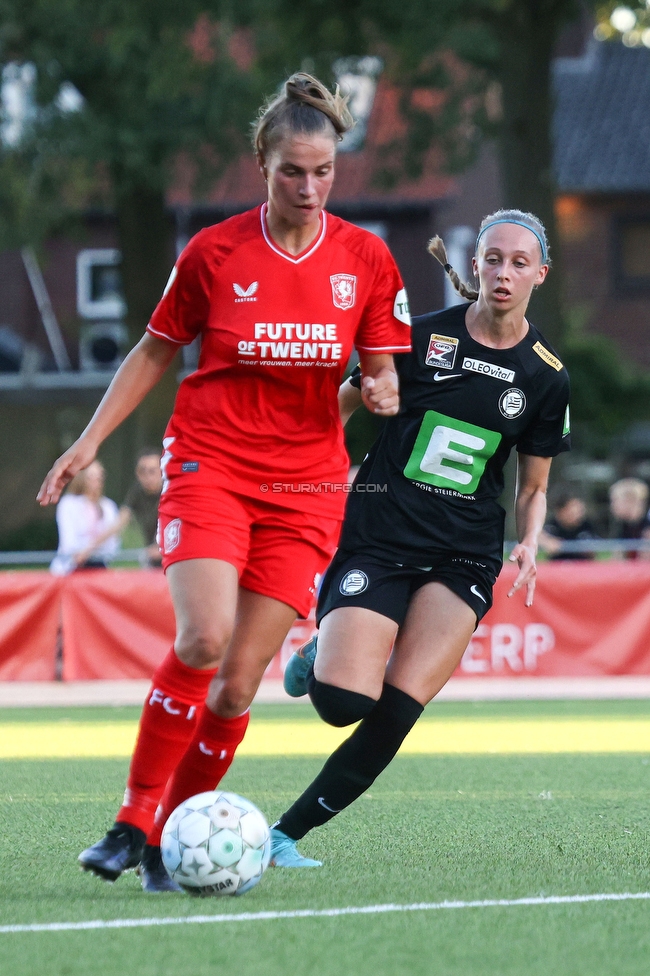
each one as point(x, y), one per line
point(216, 843)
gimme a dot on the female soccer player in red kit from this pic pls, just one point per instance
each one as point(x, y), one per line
point(250, 512)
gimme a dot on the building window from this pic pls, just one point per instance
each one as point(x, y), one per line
point(99, 287)
point(632, 255)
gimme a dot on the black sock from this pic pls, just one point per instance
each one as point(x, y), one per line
point(356, 763)
point(338, 706)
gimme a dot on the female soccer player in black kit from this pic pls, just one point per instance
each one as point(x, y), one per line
point(422, 542)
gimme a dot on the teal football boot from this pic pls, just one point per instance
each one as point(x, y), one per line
point(298, 667)
point(285, 854)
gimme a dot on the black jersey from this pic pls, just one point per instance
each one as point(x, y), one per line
point(433, 478)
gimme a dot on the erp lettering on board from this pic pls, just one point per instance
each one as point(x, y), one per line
point(507, 649)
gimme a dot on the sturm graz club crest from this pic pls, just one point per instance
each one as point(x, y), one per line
point(353, 582)
point(512, 403)
point(344, 290)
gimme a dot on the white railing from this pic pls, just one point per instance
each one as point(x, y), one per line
point(139, 556)
point(42, 557)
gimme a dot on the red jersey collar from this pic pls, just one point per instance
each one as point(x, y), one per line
point(294, 259)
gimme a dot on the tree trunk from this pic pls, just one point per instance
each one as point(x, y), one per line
point(528, 30)
point(146, 239)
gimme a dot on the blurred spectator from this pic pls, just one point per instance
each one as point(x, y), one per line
point(628, 506)
point(141, 503)
point(86, 521)
point(568, 523)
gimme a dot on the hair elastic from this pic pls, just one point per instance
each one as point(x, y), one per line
point(520, 223)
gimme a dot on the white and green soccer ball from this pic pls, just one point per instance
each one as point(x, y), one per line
point(216, 843)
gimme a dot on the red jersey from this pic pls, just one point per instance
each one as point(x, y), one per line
point(276, 334)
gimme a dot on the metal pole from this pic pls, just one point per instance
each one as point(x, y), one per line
point(44, 304)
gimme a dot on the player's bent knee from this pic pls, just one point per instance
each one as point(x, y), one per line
point(201, 650)
point(230, 698)
point(338, 706)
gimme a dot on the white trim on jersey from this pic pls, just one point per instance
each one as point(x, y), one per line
point(267, 237)
point(163, 335)
point(384, 348)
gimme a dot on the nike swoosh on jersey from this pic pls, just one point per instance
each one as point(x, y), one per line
point(323, 804)
point(474, 589)
point(438, 377)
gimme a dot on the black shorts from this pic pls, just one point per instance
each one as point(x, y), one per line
point(387, 587)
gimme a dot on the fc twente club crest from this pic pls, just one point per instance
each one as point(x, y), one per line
point(344, 290)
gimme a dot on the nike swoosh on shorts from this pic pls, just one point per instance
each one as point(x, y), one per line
point(474, 589)
point(445, 376)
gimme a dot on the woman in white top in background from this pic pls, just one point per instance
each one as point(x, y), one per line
point(82, 516)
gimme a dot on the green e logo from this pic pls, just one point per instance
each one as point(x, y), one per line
point(449, 453)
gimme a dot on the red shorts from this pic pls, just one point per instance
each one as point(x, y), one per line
point(277, 551)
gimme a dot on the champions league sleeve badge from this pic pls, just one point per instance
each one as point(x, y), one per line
point(344, 290)
point(441, 352)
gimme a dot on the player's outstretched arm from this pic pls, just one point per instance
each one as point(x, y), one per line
point(530, 514)
point(379, 384)
point(137, 375)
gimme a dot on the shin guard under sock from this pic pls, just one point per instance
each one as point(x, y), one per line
point(356, 763)
point(203, 765)
point(167, 724)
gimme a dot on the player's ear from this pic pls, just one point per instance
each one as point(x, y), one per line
point(262, 166)
point(541, 275)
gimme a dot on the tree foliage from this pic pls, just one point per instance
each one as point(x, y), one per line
point(163, 82)
point(158, 79)
point(161, 79)
point(607, 394)
point(491, 58)
point(160, 82)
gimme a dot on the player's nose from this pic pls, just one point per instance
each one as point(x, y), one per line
point(308, 187)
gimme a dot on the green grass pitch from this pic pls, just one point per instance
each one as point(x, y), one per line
point(433, 828)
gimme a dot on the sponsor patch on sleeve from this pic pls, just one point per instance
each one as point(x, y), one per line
point(401, 307)
point(548, 357)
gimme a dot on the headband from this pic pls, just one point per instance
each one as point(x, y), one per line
point(519, 223)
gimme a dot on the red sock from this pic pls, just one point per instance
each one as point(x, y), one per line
point(206, 761)
point(167, 724)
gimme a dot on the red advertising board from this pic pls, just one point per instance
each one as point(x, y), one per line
point(588, 619)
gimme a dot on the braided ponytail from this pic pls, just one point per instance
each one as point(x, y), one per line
point(437, 248)
point(532, 223)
